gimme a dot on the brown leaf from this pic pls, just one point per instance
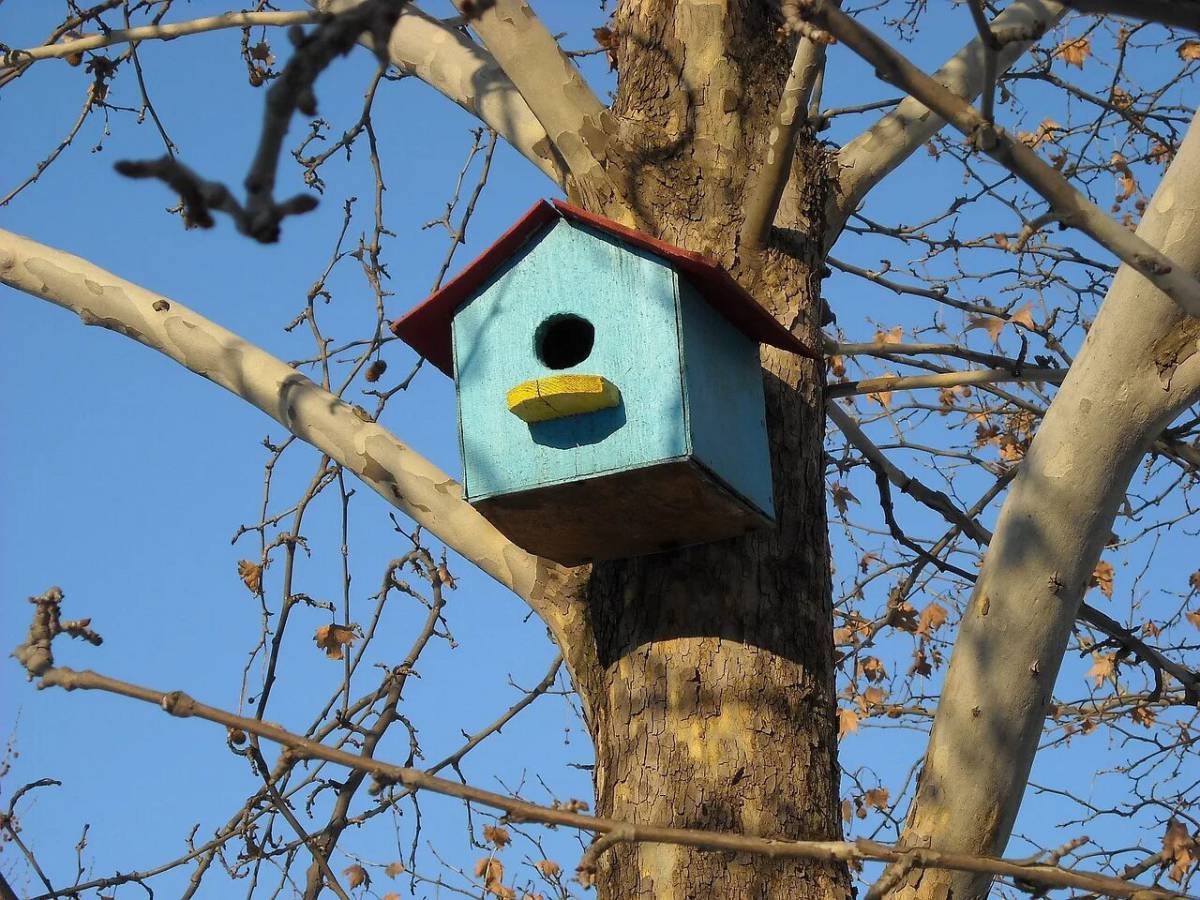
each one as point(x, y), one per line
point(1074, 52)
point(1102, 577)
point(607, 39)
point(1023, 316)
point(872, 668)
point(1179, 849)
point(548, 868)
point(1194, 580)
point(490, 869)
point(837, 366)
point(842, 497)
point(920, 664)
point(877, 797)
point(874, 695)
point(1189, 50)
point(894, 336)
point(847, 722)
point(991, 324)
point(1103, 667)
point(932, 617)
point(1194, 618)
point(356, 876)
point(394, 869)
point(1143, 715)
point(494, 834)
point(444, 577)
point(847, 811)
point(375, 370)
point(262, 51)
point(251, 575)
point(1126, 185)
point(332, 638)
point(391, 895)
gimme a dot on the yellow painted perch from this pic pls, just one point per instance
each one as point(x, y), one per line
point(556, 396)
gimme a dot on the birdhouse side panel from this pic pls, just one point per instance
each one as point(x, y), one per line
point(724, 395)
point(571, 302)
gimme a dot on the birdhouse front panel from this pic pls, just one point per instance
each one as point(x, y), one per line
point(610, 393)
point(572, 302)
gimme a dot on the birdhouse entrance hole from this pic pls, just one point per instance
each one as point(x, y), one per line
point(563, 341)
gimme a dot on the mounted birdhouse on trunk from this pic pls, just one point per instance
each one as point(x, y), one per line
point(610, 397)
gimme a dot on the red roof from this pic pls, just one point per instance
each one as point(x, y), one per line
point(426, 328)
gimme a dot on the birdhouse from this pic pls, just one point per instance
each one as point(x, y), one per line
point(610, 397)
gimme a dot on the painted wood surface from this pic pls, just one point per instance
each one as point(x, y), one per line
point(629, 296)
point(723, 390)
point(558, 396)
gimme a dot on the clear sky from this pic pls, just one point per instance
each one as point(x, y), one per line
point(124, 477)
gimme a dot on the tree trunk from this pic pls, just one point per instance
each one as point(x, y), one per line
point(711, 689)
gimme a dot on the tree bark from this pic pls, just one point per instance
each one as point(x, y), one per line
point(710, 683)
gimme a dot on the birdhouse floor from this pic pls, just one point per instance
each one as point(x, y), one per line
point(630, 513)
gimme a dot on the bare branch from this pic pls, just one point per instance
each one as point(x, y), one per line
point(942, 380)
point(870, 157)
point(769, 183)
point(402, 477)
point(578, 124)
point(1184, 13)
point(177, 703)
point(167, 32)
point(1069, 205)
point(451, 63)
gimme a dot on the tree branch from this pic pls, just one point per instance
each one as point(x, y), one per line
point(402, 477)
point(1051, 530)
point(1184, 13)
point(14, 58)
point(578, 124)
point(768, 185)
point(1069, 205)
point(179, 704)
point(451, 63)
point(941, 380)
point(870, 157)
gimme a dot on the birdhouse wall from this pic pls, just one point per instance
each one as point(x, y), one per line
point(630, 298)
point(723, 394)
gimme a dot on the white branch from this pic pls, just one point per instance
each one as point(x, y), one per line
point(402, 477)
point(1138, 369)
point(451, 63)
point(578, 124)
point(886, 383)
point(166, 32)
point(870, 157)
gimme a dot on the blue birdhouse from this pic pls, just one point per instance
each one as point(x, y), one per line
point(610, 397)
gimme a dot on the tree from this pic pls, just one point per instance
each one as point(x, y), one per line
point(708, 677)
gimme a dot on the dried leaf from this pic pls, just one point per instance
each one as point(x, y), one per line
point(494, 834)
point(444, 577)
point(872, 668)
point(894, 336)
point(1189, 50)
point(1023, 316)
point(837, 366)
point(1074, 52)
point(251, 575)
point(874, 695)
point(606, 38)
point(394, 869)
point(1194, 580)
point(1194, 618)
point(332, 638)
point(375, 370)
point(1179, 849)
point(920, 664)
point(391, 895)
point(1126, 185)
point(1102, 577)
point(842, 497)
point(877, 797)
point(356, 876)
point(847, 722)
point(933, 617)
point(1103, 667)
point(847, 811)
point(548, 867)
point(991, 324)
point(1143, 715)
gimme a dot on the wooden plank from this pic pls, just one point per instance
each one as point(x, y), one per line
point(723, 393)
point(629, 297)
point(631, 513)
point(557, 396)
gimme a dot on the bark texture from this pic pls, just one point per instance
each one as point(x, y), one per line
point(709, 677)
point(1138, 369)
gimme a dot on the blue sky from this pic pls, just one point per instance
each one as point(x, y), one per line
point(125, 477)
